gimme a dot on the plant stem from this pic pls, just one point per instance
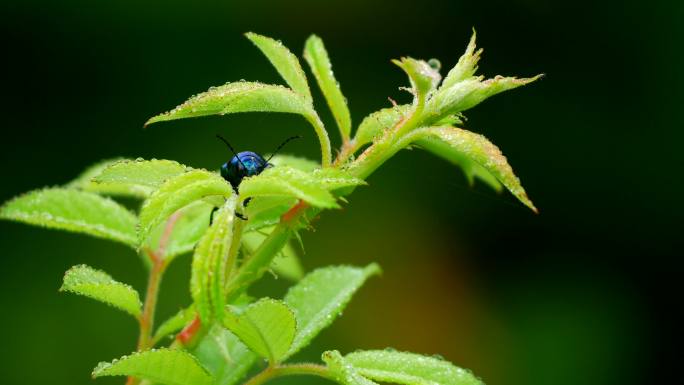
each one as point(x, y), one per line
point(348, 149)
point(189, 335)
point(391, 142)
point(253, 268)
point(145, 340)
point(231, 261)
point(290, 370)
point(166, 235)
point(157, 257)
point(326, 153)
point(151, 295)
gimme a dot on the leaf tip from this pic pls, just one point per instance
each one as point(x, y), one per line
point(534, 78)
point(522, 197)
point(373, 269)
point(472, 42)
point(101, 367)
point(532, 207)
point(253, 36)
point(312, 39)
point(154, 119)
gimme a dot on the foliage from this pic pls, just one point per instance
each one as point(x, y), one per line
point(237, 233)
point(267, 327)
point(167, 366)
point(99, 285)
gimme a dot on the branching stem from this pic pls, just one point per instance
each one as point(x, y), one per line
point(348, 149)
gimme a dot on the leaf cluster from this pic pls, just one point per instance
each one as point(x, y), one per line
point(224, 332)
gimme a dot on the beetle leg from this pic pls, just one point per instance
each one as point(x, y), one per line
point(211, 216)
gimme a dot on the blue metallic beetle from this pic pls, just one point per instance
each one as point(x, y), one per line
point(246, 163)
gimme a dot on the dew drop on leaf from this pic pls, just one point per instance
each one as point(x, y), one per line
point(435, 64)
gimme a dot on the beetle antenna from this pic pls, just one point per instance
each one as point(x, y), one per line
point(231, 149)
point(282, 145)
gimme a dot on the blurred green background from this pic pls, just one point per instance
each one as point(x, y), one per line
point(575, 295)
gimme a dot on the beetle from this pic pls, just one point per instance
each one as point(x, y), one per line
point(244, 164)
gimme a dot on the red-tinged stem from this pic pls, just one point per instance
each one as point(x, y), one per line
point(158, 266)
point(348, 149)
point(187, 335)
point(147, 318)
point(166, 236)
point(294, 212)
point(151, 295)
point(146, 321)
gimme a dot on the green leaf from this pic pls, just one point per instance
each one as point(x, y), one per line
point(191, 222)
point(98, 285)
point(320, 297)
point(267, 327)
point(209, 263)
point(176, 193)
point(238, 97)
point(264, 211)
point(378, 122)
point(424, 79)
point(467, 94)
point(466, 66)
point(409, 368)
point(284, 61)
point(316, 55)
point(224, 355)
point(286, 264)
point(477, 148)
point(84, 182)
point(471, 169)
point(73, 210)
point(250, 97)
point(167, 366)
point(139, 177)
point(297, 162)
point(84, 179)
point(343, 372)
point(285, 181)
point(174, 323)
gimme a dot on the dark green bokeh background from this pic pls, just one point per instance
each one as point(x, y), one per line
point(571, 296)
